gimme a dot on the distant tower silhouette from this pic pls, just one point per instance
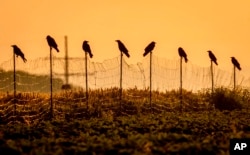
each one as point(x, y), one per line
point(52, 43)
point(86, 48)
point(183, 54)
point(212, 57)
point(149, 48)
point(66, 86)
point(18, 52)
point(122, 48)
point(235, 63)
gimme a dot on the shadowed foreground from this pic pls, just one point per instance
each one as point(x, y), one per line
point(107, 128)
point(169, 133)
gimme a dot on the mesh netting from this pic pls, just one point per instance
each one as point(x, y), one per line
point(34, 75)
point(33, 80)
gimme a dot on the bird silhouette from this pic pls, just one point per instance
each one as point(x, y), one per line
point(235, 63)
point(149, 48)
point(122, 48)
point(212, 57)
point(86, 48)
point(52, 43)
point(182, 53)
point(18, 52)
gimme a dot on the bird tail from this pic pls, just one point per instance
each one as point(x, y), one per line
point(186, 60)
point(91, 55)
point(145, 53)
point(239, 68)
point(57, 49)
point(126, 53)
point(24, 60)
point(216, 63)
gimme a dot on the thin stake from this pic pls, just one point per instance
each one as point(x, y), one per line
point(86, 75)
point(66, 62)
point(121, 83)
point(51, 88)
point(14, 61)
point(180, 83)
point(150, 85)
point(212, 75)
point(234, 78)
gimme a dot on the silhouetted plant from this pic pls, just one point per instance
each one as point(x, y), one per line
point(225, 99)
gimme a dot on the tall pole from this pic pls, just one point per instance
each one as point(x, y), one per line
point(150, 85)
point(121, 82)
point(180, 83)
point(212, 74)
point(66, 61)
point(51, 88)
point(14, 72)
point(86, 75)
point(234, 78)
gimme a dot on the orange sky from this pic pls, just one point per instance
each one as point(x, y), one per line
point(197, 26)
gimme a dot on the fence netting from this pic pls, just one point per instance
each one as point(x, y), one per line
point(32, 102)
point(33, 76)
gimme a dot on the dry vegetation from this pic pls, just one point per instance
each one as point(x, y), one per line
point(205, 125)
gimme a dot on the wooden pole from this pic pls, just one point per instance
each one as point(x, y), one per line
point(234, 78)
point(51, 88)
point(86, 75)
point(212, 75)
point(66, 62)
point(150, 85)
point(121, 82)
point(14, 74)
point(180, 83)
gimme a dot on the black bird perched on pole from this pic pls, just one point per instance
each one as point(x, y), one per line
point(149, 48)
point(52, 43)
point(182, 54)
point(18, 52)
point(86, 48)
point(212, 57)
point(235, 63)
point(122, 48)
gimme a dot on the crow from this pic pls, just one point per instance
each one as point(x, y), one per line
point(18, 52)
point(212, 57)
point(149, 48)
point(235, 63)
point(182, 54)
point(86, 48)
point(52, 43)
point(122, 48)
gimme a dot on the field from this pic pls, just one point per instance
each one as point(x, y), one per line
point(133, 128)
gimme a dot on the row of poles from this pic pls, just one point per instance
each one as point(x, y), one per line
point(123, 50)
